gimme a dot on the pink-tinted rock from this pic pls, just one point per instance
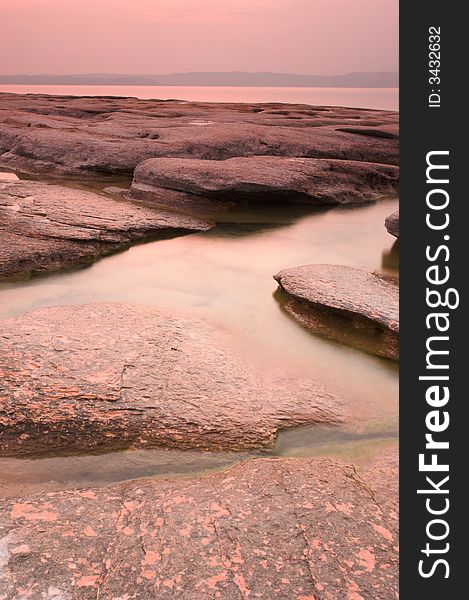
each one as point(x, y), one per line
point(4, 176)
point(300, 529)
point(369, 302)
point(112, 135)
point(390, 131)
point(392, 224)
point(47, 227)
point(192, 182)
point(110, 376)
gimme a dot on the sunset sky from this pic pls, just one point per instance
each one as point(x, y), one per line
point(164, 36)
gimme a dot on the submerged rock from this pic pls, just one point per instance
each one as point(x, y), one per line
point(285, 528)
point(392, 224)
point(187, 182)
point(112, 376)
point(369, 302)
point(66, 134)
point(47, 227)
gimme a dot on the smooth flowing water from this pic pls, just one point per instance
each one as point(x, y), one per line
point(224, 277)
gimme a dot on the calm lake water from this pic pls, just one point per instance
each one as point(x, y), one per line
point(378, 98)
point(224, 277)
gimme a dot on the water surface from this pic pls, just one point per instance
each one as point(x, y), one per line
point(224, 277)
point(26, 476)
point(378, 98)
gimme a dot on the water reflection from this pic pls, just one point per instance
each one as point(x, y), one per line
point(390, 260)
point(20, 476)
point(224, 277)
point(250, 220)
point(335, 326)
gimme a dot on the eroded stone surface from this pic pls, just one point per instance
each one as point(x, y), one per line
point(186, 182)
point(46, 227)
point(392, 224)
point(368, 299)
point(8, 177)
point(112, 135)
point(302, 529)
point(114, 376)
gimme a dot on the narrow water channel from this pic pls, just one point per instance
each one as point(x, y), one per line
point(224, 277)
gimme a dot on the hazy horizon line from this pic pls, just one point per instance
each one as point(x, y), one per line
point(125, 74)
point(363, 79)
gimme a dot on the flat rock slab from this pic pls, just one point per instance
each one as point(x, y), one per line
point(370, 301)
point(111, 376)
point(263, 179)
point(8, 177)
point(46, 227)
point(302, 529)
point(392, 224)
point(66, 134)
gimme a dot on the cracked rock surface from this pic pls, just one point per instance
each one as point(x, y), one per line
point(47, 227)
point(190, 182)
point(66, 134)
point(111, 376)
point(367, 299)
point(300, 529)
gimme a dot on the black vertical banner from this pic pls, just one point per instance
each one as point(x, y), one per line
point(434, 449)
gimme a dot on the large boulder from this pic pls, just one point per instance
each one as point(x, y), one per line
point(112, 376)
point(46, 227)
point(368, 302)
point(392, 224)
point(192, 182)
point(112, 135)
point(301, 529)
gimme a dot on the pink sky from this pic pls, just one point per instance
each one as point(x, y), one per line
point(164, 36)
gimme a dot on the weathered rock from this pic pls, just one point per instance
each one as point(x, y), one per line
point(369, 301)
point(8, 177)
point(65, 134)
point(186, 182)
point(301, 529)
point(47, 227)
point(390, 131)
point(109, 376)
point(392, 224)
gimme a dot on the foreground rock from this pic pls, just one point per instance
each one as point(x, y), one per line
point(300, 529)
point(368, 302)
point(45, 227)
point(65, 134)
point(187, 182)
point(109, 376)
point(392, 224)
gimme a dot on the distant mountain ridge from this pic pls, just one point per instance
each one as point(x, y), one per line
point(385, 79)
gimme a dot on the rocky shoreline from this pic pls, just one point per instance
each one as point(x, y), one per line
point(86, 135)
point(105, 377)
point(268, 528)
point(368, 301)
point(261, 179)
point(184, 156)
point(47, 227)
point(113, 376)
